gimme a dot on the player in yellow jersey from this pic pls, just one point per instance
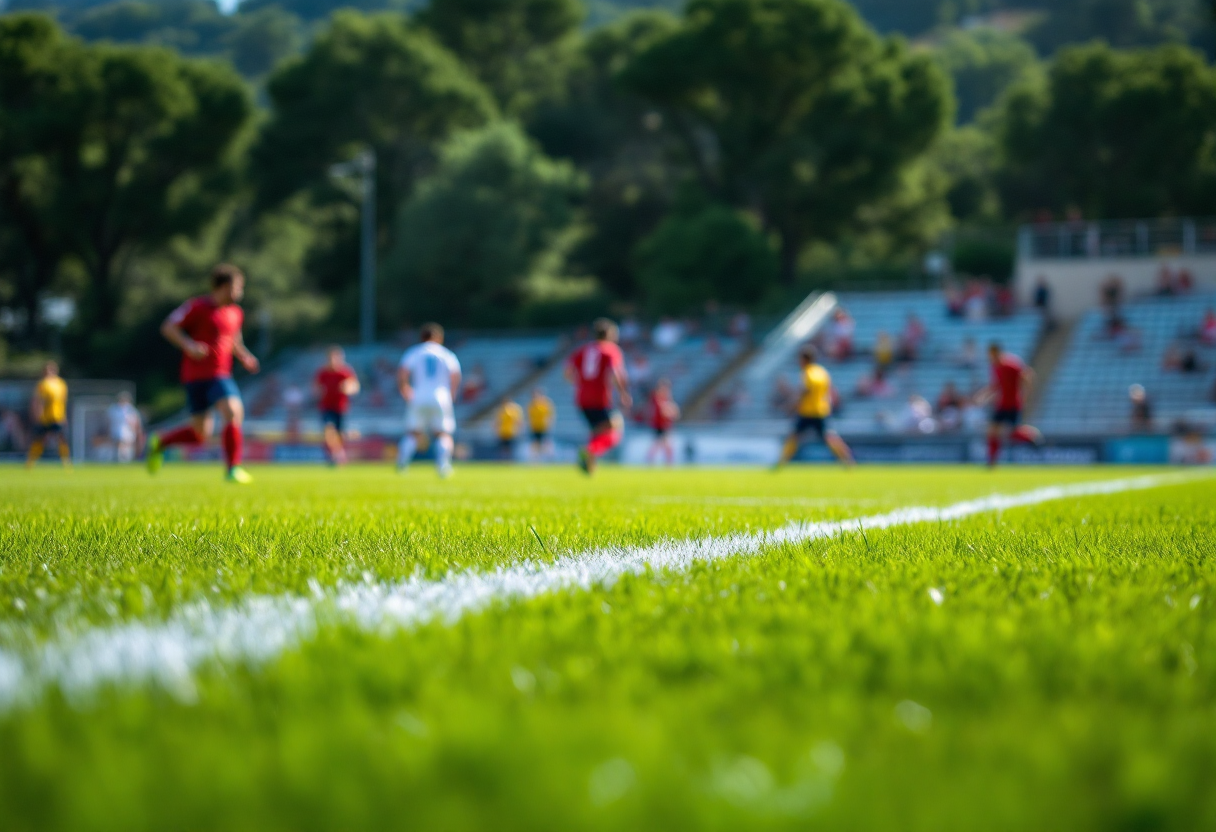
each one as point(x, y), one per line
point(49, 412)
point(541, 413)
point(508, 422)
point(814, 408)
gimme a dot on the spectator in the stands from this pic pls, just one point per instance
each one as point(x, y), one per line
point(783, 396)
point(875, 386)
point(12, 432)
point(740, 326)
point(1111, 293)
point(1207, 328)
point(917, 416)
point(949, 409)
point(293, 400)
point(1182, 360)
point(1042, 299)
point(912, 338)
point(1142, 409)
point(668, 334)
point(969, 354)
point(955, 301)
point(975, 304)
point(840, 335)
point(1003, 302)
point(1165, 281)
point(639, 374)
point(474, 385)
point(631, 331)
point(1185, 282)
point(884, 353)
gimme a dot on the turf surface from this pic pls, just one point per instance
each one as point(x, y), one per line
point(1052, 667)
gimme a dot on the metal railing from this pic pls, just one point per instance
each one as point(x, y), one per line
point(1080, 239)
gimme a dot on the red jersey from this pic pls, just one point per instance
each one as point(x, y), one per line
point(331, 382)
point(1007, 375)
point(660, 412)
point(217, 327)
point(594, 365)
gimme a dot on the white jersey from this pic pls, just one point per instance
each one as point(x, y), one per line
point(124, 422)
point(431, 367)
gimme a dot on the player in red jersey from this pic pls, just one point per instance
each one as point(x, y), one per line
point(207, 330)
point(596, 369)
point(1010, 381)
point(335, 383)
point(663, 414)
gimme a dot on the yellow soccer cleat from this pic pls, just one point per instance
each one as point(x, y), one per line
point(238, 475)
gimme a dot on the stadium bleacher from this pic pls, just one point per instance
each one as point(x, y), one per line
point(1089, 389)
point(940, 360)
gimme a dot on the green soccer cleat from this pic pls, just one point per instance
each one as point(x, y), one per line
point(238, 475)
point(586, 462)
point(155, 455)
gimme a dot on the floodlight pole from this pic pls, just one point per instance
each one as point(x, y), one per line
point(365, 165)
point(367, 255)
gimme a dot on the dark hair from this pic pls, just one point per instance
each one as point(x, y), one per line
point(604, 329)
point(993, 346)
point(224, 274)
point(431, 332)
point(809, 354)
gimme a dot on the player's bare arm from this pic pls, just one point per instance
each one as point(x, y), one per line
point(622, 387)
point(403, 384)
point(248, 360)
point(351, 386)
point(177, 336)
point(455, 384)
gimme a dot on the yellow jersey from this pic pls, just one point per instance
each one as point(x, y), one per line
point(540, 414)
point(816, 401)
point(510, 419)
point(52, 394)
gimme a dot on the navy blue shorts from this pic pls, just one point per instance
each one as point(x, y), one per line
point(804, 426)
point(598, 417)
point(539, 435)
point(333, 417)
point(204, 395)
point(1010, 416)
point(49, 428)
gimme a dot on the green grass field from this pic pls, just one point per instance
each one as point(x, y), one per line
point(1038, 668)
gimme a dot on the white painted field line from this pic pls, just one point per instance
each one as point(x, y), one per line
point(261, 627)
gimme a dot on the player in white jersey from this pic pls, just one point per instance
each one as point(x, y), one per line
point(126, 427)
point(428, 377)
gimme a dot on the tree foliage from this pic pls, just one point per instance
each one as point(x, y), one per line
point(480, 233)
point(793, 109)
point(517, 48)
point(983, 63)
point(1113, 134)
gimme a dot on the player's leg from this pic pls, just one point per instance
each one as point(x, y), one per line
point(606, 435)
point(65, 450)
point(192, 433)
point(445, 446)
point(1027, 434)
point(406, 448)
point(36, 447)
point(996, 431)
point(232, 411)
point(839, 447)
point(792, 442)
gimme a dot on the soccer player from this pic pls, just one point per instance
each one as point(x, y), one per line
point(334, 384)
point(814, 409)
point(126, 427)
point(1007, 390)
point(49, 413)
point(541, 413)
point(429, 379)
point(596, 369)
point(508, 422)
point(663, 414)
point(207, 329)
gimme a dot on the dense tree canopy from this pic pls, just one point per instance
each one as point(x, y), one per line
point(793, 109)
point(1113, 134)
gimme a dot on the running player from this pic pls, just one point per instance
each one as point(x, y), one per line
point(541, 413)
point(1010, 381)
point(207, 329)
point(663, 414)
point(334, 384)
point(508, 423)
point(814, 409)
point(49, 413)
point(596, 369)
point(429, 378)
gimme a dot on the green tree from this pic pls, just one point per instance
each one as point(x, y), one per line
point(704, 251)
point(366, 81)
point(983, 63)
point(793, 109)
point(485, 232)
point(1121, 23)
point(518, 48)
point(160, 156)
point(614, 136)
point(1113, 134)
point(39, 97)
point(262, 39)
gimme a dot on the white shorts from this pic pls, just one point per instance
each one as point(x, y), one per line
point(430, 417)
